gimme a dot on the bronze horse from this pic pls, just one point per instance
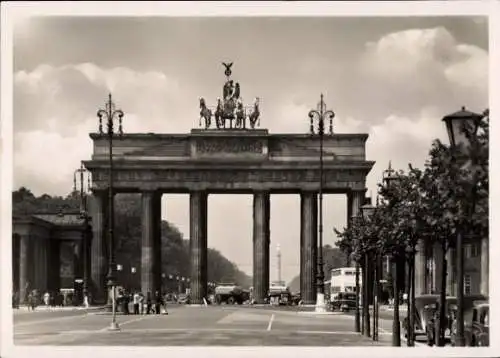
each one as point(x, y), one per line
point(219, 114)
point(205, 113)
point(254, 117)
point(240, 115)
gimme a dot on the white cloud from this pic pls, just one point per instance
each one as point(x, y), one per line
point(406, 71)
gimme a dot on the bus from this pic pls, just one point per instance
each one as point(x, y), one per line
point(343, 279)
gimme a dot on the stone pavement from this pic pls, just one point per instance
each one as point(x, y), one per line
point(189, 326)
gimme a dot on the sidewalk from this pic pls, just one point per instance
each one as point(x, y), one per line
point(43, 308)
point(403, 308)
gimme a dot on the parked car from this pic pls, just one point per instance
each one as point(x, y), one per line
point(279, 295)
point(477, 331)
point(450, 309)
point(295, 298)
point(344, 301)
point(422, 314)
point(425, 314)
point(183, 299)
point(230, 293)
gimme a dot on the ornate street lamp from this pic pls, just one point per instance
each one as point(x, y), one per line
point(455, 125)
point(320, 115)
point(110, 114)
point(87, 229)
point(367, 212)
point(391, 178)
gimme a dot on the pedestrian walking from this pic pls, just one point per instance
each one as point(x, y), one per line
point(158, 302)
point(141, 302)
point(149, 302)
point(136, 300)
point(32, 301)
point(126, 302)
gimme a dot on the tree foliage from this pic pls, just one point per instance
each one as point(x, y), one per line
point(449, 194)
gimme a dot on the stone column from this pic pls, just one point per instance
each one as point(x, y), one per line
point(350, 199)
point(99, 249)
point(261, 242)
point(157, 240)
point(38, 277)
point(25, 283)
point(15, 262)
point(198, 245)
point(308, 246)
point(45, 264)
point(54, 270)
point(485, 266)
point(420, 269)
point(151, 250)
point(356, 202)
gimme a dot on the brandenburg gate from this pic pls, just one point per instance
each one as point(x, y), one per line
point(232, 156)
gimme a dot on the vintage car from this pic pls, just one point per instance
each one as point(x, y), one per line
point(477, 330)
point(344, 301)
point(279, 295)
point(183, 299)
point(450, 309)
point(425, 310)
point(230, 293)
point(295, 298)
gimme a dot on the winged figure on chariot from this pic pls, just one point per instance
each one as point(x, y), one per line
point(230, 107)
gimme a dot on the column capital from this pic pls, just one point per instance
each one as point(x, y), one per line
point(261, 192)
point(150, 191)
point(357, 191)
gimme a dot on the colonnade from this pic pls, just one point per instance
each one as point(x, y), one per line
point(151, 242)
point(38, 266)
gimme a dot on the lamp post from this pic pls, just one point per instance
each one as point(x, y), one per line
point(110, 114)
point(455, 125)
point(367, 211)
point(320, 114)
point(390, 178)
point(87, 233)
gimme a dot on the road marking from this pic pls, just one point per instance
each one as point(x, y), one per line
point(22, 324)
point(191, 330)
point(270, 322)
point(417, 344)
point(126, 322)
point(328, 332)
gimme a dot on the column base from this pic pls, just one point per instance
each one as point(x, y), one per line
point(114, 327)
point(320, 303)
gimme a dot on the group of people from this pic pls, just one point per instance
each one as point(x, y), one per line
point(142, 304)
point(34, 298)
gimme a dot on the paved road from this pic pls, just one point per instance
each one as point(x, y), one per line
point(192, 326)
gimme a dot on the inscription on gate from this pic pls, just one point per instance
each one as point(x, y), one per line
point(229, 146)
point(229, 176)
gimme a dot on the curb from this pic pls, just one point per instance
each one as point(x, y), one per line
point(58, 309)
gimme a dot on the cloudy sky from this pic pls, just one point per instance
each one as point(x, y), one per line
point(393, 78)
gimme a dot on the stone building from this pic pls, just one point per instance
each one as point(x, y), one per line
point(46, 252)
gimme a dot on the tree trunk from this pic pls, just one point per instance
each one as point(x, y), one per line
point(407, 291)
point(374, 314)
point(396, 329)
point(366, 286)
point(412, 301)
point(356, 313)
point(442, 299)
